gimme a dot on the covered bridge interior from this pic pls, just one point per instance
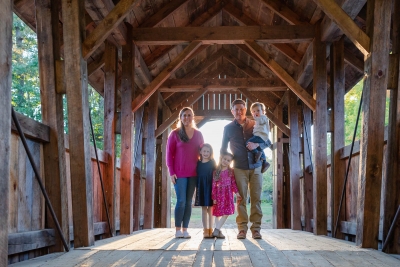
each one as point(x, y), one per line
point(150, 58)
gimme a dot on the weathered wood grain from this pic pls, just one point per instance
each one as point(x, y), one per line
point(320, 135)
point(78, 122)
point(338, 167)
point(5, 119)
point(222, 34)
point(25, 241)
point(32, 129)
point(294, 155)
point(371, 154)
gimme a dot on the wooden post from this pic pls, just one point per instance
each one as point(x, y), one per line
point(78, 122)
point(307, 176)
point(338, 166)
point(157, 185)
point(110, 80)
point(278, 205)
point(52, 115)
point(6, 25)
point(294, 160)
point(320, 128)
point(137, 160)
point(392, 198)
point(373, 119)
point(150, 162)
point(165, 180)
point(127, 138)
point(286, 187)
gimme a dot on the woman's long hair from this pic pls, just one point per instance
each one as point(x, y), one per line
point(181, 129)
point(218, 170)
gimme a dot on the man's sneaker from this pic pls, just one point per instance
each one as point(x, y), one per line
point(178, 234)
point(265, 166)
point(256, 234)
point(186, 234)
point(257, 156)
point(241, 234)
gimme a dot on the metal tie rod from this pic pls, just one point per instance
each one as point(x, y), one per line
point(37, 175)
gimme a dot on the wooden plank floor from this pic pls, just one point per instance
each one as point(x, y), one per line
point(158, 247)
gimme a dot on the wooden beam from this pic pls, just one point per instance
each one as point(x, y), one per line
point(329, 33)
point(52, 115)
point(161, 51)
point(294, 162)
point(254, 84)
point(223, 34)
point(268, 113)
point(78, 123)
point(282, 74)
point(106, 26)
point(307, 176)
point(338, 166)
point(148, 222)
point(278, 204)
point(165, 181)
point(352, 60)
point(96, 64)
point(165, 74)
point(31, 240)
point(59, 76)
point(163, 13)
point(137, 161)
point(320, 135)
point(6, 25)
point(110, 118)
point(190, 101)
point(392, 179)
point(346, 24)
point(374, 98)
point(285, 12)
point(127, 135)
point(244, 20)
point(243, 66)
point(32, 129)
point(204, 64)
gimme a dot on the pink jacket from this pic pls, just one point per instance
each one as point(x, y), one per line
point(182, 157)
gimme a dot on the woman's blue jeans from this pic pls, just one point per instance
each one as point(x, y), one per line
point(184, 188)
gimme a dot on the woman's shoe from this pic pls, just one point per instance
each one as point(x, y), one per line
point(206, 233)
point(186, 234)
point(218, 234)
point(178, 234)
point(210, 232)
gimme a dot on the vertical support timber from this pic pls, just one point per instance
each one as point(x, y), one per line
point(373, 119)
point(392, 182)
point(165, 181)
point(294, 159)
point(52, 115)
point(137, 176)
point(320, 136)
point(127, 137)
point(278, 205)
point(150, 162)
point(78, 122)
point(110, 90)
point(307, 176)
point(6, 25)
point(338, 166)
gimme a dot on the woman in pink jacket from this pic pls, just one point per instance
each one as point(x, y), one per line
point(183, 148)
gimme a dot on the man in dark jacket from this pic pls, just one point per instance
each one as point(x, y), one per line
point(247, 172)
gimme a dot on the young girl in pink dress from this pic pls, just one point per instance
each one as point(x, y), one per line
point(223, 186)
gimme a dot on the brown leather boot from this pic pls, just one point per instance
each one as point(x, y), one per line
point(206, 233)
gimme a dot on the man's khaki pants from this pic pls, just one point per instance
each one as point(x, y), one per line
point(252, 180)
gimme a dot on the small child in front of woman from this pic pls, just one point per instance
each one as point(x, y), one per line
point(223, 186)
point(205, 169)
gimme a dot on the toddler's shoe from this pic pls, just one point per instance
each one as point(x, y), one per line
point(265, 166)
point(218, 234)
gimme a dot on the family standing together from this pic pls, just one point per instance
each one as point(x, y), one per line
point(192, 168)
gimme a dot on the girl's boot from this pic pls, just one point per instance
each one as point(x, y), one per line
point(206, 233)
point(218, 234)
